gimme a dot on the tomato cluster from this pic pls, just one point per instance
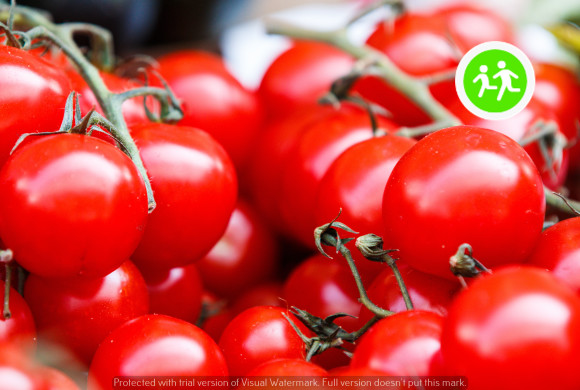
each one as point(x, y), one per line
point(224, 276)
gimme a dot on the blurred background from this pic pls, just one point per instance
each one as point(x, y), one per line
point(234, 28)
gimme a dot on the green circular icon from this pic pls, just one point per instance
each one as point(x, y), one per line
point(495, 80)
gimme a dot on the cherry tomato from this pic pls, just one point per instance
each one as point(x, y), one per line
point(427, 292)
point(213, 100)
point(20, 328)
point(245, 255)
point(17, 371)
point(33, 97)
point(405, 343)
point(463, 185)
point(176, 292)
point(76, 314)
point(300, 76)
point(517, 328)
point(258, 335)
point(558, 88)
point(155, 345)
point(195, 188)
point(54, 379)
point(318, 146)
point(558, 250)
point(71, 205)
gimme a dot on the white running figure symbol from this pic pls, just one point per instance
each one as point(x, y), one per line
point(506, 79)
point(484, 80)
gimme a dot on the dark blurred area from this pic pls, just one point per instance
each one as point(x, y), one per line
point(144, 25)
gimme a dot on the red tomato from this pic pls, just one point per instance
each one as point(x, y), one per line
point(71, 205)
point(405, 343)
point(427, 292)
point(318, 146)
point(195, 189)
point(33, 97)
point(17, 371)
point(300, 76)
point(258, 335)
point(266, 294)
point(463, 185)
point(245, 255)
point(213, 100)
point(133, 109)
point(322, 287)
point(559, 89)
point(20, 328)
point(558, 250)
point(355, 183)
point(54, 379)
point(155, 345)
point(76, 314)
point(175, 292)
point(518, 328)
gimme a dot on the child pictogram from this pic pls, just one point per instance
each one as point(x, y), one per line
point(506, 79)
point(484, 80)
point(495, 80)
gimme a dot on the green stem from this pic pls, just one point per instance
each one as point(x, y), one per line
point(416, 90)
point(62, 38)
point(402, 286)
point(364, 298)
point(6, 307)
point(561, 203)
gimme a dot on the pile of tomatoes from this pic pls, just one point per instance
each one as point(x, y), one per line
point(101, 289)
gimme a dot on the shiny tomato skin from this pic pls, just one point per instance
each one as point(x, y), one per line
point(521, 324)
point(558, 250)
point(258, 335)
point(176, 292)
point(288, 367)
point(195, 187)
point(76, 314)
point(71, 205)
point(213, 100)
point(406, 343)
point(300, 76)
point(463, 185)
point(20, 328)
point(155, 345)
point(245, 255)
point(33, 97)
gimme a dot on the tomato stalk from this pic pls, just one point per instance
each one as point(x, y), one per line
point(560, 203)
point(463, 264)
point(371, 247)
point(327, 235)
point(416, 89)
point(62, 36)
point(6, 258)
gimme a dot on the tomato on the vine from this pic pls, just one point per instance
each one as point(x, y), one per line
point(517, 328)
point(33, 96)
point(463, 185)
point(213, 100)
point(195, 187)
point(258, 335)
point(75, 314)
point(155, 345)
point(405, 343)
point(71, 205)
point(300, 76)
point(20, 328)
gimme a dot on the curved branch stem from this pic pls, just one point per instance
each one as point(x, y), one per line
point(415, 89)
